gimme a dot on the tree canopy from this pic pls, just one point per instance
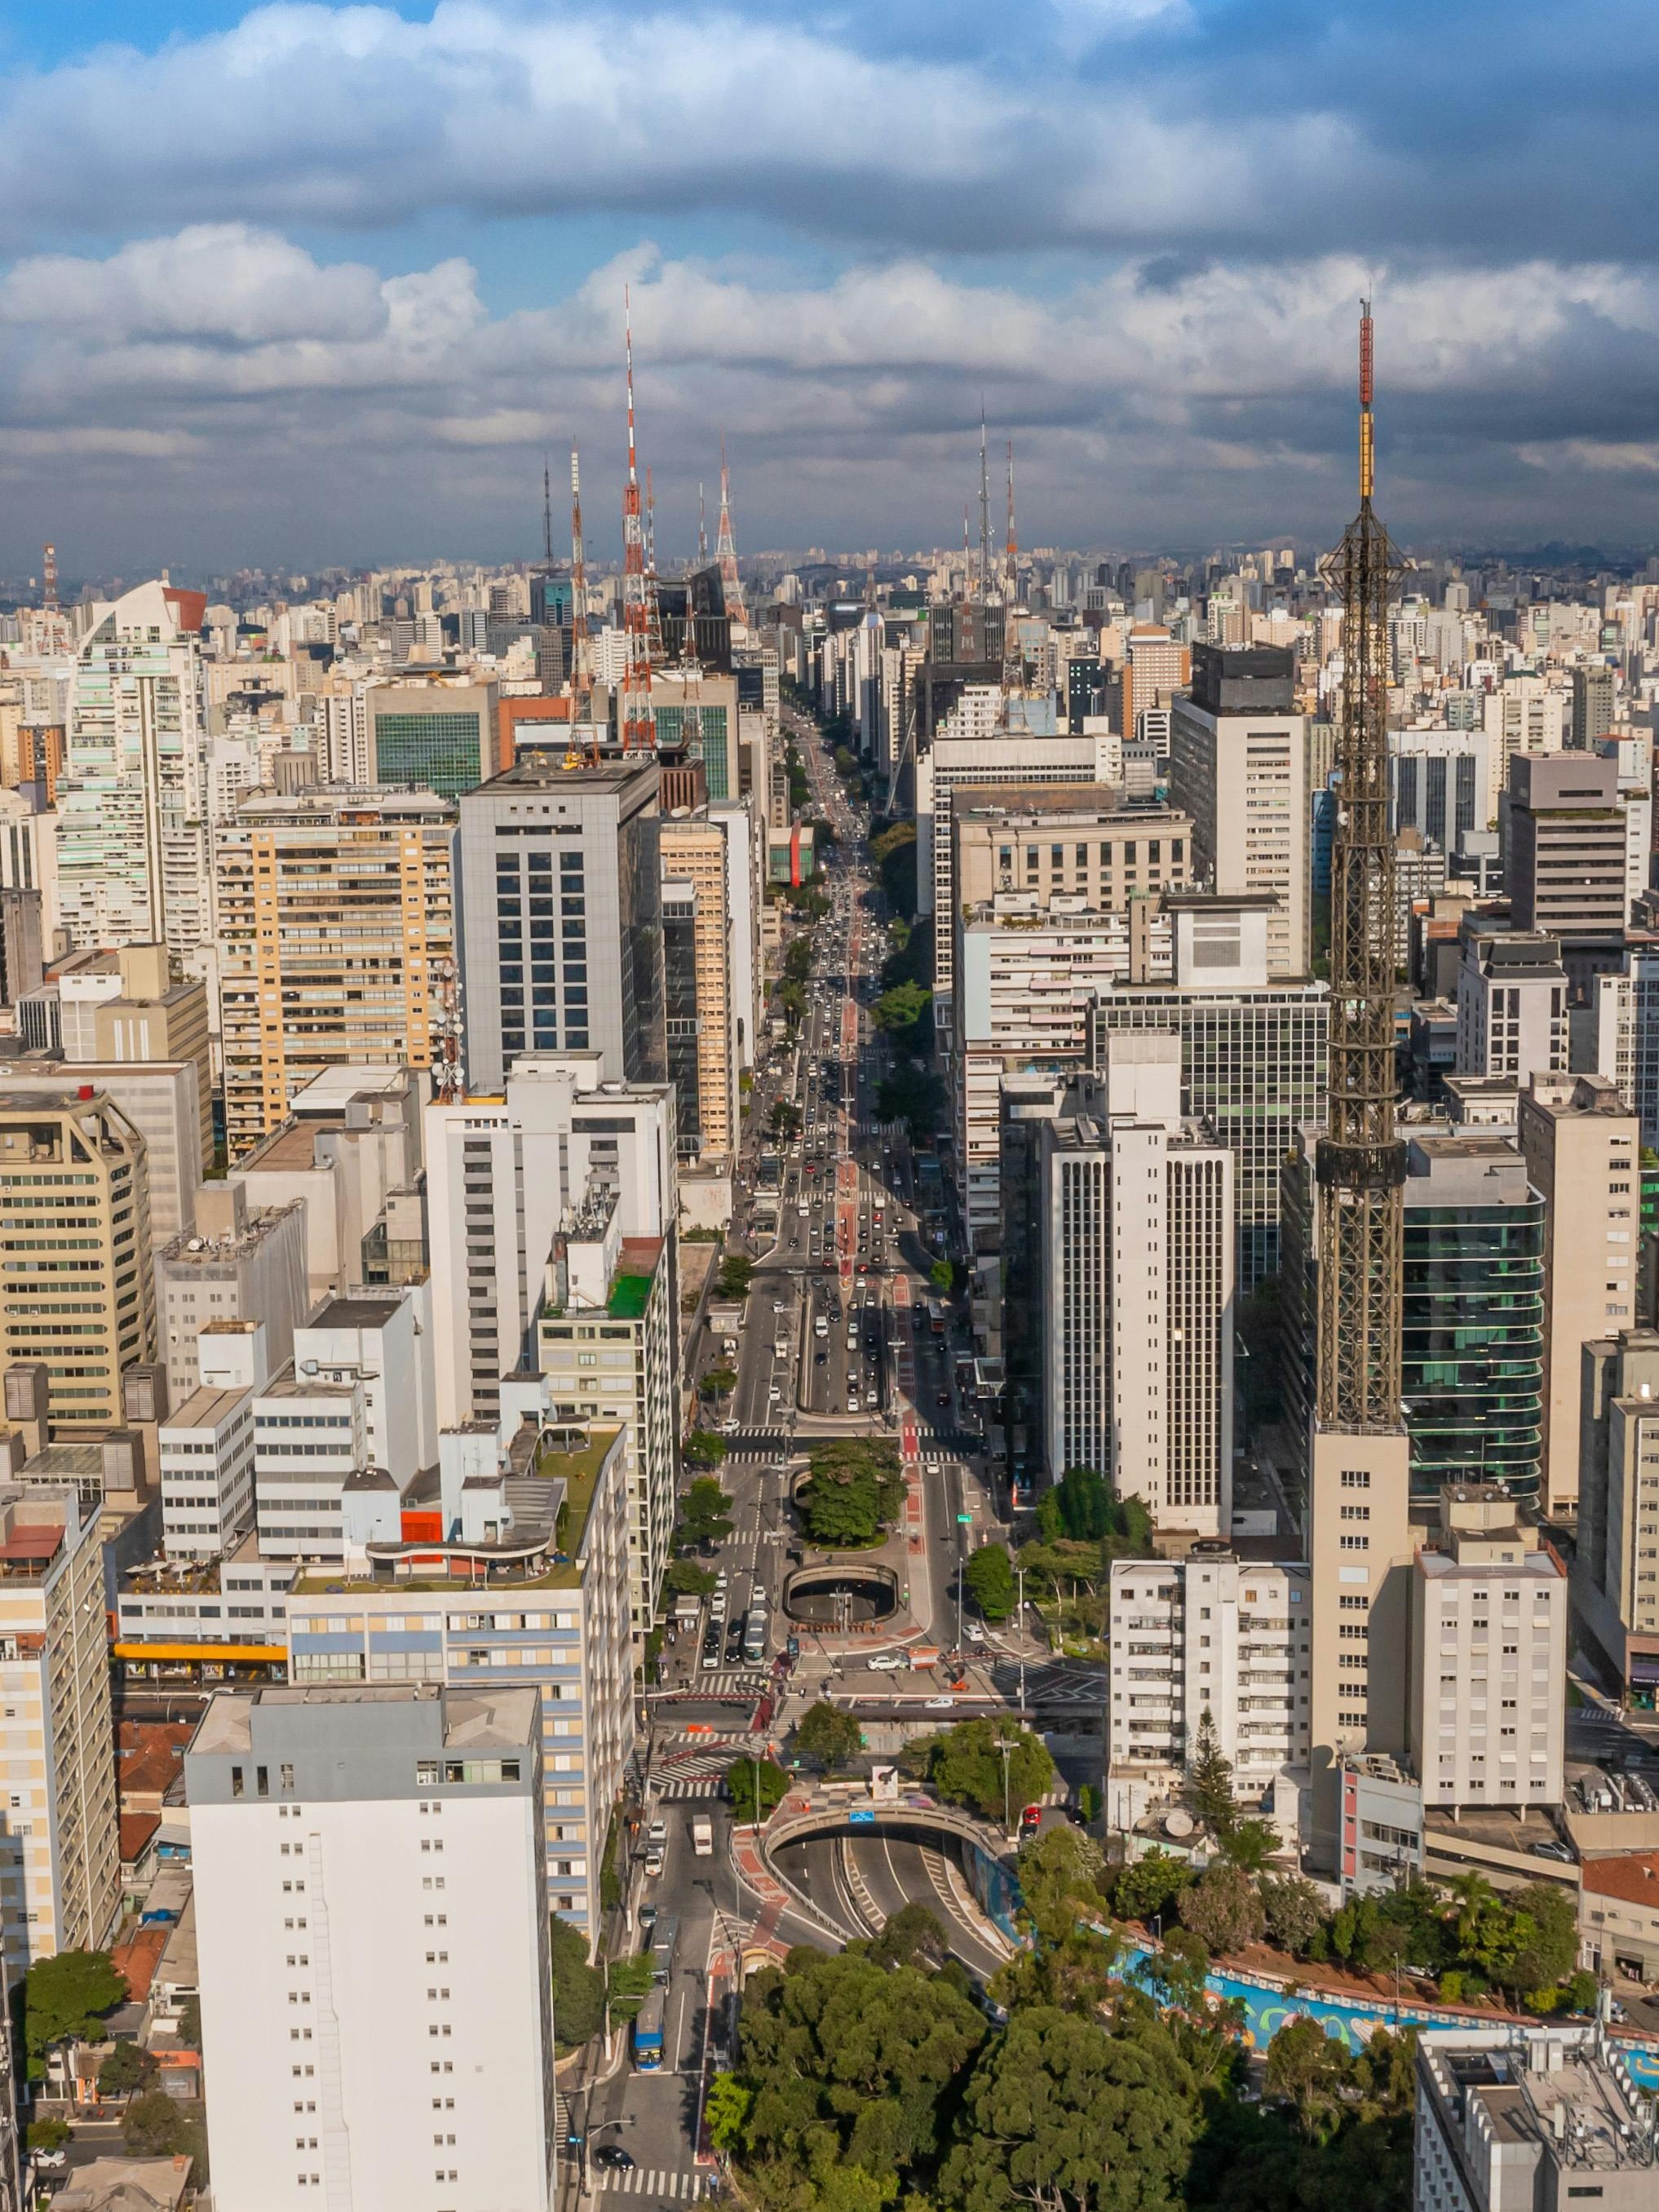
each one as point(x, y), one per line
point(964, 1765)
point(705, 1512)
point(855, 1487)
point(990, 1579)
point(65, 1996)
point(829, 1733)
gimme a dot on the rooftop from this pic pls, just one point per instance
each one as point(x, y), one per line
point(1632, 1876)
point(480, 1720)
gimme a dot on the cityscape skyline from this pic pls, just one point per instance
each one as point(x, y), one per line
point(369, 265)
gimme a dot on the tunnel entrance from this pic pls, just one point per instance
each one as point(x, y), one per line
point(839, 1595)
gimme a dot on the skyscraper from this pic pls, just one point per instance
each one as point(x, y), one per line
point(561, 907)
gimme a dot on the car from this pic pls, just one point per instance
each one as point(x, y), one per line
point(887, 1662)
point(611, 2158)
point(774, 1396)
point(972, 1632)
point(657, 1834)
point(778, 1306)
point(943, 1399)
point(653, 1865)
point(821, 1360)
point(1552, 1851)
point(939, 1704)
point(50, 2159)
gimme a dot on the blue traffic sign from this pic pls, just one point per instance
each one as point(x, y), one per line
point(862, 1816)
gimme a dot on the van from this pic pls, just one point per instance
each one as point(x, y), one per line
point(821, 1326)
point(702, 1836)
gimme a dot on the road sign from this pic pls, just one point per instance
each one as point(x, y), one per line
point(861, 1816)
point(966, 1517)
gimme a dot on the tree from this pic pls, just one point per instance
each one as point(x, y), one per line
point(126, 2069)
point(965, 1767)
point(854, 1487)
point(726, 2109)
point(915, 1097)
point(189, 2024)
point(1251, 1844)
point(1059, 1878)
point(705, 1513)
point(740, 1781)
point(1295, 1911)
point(1062, 2114)
point(718, 1382)
point(66, 1996)
point(48, 2132)
point(990, 1580)
point(829, 1733)
point(1545, 1935)
point(1150, 1885)
point(941, 1275)
point(912, 1936)
point(1306, 2068)
point(703, 1449)
point(155, 2127)
point(1209, 1790)
point(736, 1271)
point(685, 1578)
point(1224, 1909)
point(1083, 1502)
point(578, 1988)
point(784, 1120)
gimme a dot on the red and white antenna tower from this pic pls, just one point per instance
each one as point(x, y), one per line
point(725, 547)
point(653, 604)
point(581, 669)
point(635, 716)
point(702, 528)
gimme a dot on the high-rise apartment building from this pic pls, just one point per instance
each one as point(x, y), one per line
point(1523, 714)
point(372, 1936)
point(79, 1297)
point(1253, 1054)
point(1616, 1589)
point(1563, 836)
point(1627, 1036)
point(206, 1453)
point(1238, 766)
point(132, 864)
point(542, 1512)
point(336, 938)
point(60, 1860)
point(1511, 1002)
point(432, 736)
point(242, 1264)
point(1138, 1291)
point(1579, 1142)
point(560, 900)
point(1438, 783)
point(699, 854)
point(1509, 2120)
point(1209, 1636)
point(1591, 715)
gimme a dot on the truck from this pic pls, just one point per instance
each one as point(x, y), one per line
point(648, 2033)
point(702, 1836)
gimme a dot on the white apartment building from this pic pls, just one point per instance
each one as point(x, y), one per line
point(60, 1859)
point(1487, 1708)
point(240, 1263)
point(1440, 783)
point(371, 1929)
point(1510, 2118)
point(560, 1627)
point(1627, 1036)
point(1138, 1275)
point(501, 1173)
point(1029, 967)
point(1212, 1634)
point(206, 1452)
point(1525, 714)
point(1512, 1004)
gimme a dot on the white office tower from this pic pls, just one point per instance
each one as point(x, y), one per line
point(371, 1927)
point(1207, 1634)
point(1627, 1036)
point(501, 1174)
point(1512, 1004)
point(1138, 1258)
point(132, 864)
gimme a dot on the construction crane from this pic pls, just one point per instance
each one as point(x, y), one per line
point(634, 717)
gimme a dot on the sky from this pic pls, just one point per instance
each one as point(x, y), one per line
point(316, 285)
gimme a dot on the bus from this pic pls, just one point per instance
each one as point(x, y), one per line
point(648, 2033)
point(754, 1635)
point(663, 1937)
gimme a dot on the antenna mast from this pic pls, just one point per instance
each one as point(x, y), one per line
point(49, 580)
point(984, 516)
point(702, 528)
point(1011, 554)
point(581, 673)
point(547, 512)
point(635, 717)
point(1013, 660)
point(725, 547)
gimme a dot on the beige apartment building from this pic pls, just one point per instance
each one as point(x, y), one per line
point(1067, 842)
point(60, 1861)
point(1488, 1656)
point(698, 852)
point(1580, 1144)
point(337, 938)
point(1238, 765)
point(77, 1294)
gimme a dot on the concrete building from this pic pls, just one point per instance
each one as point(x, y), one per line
point(1616, 1576)
point(1137, 1242)
point(1627, 1036)
point(1439, 783)
point(206, 1451)
point(74, 1202)
point(1488, 1657)
point(1253, 1054)
point(162, 1101)
point(1511, 1003)
point(566, 860)
point(133, 851)
point(1472, 1333)
point(240, 1265)
point(1580, 1145)
point(1209, 1634)
point(432, 736)
point(700, 854)
point(129, 1006)
point(1590, 713)
point(1619, 1916)
point(502, 1173)
point(508, 1498)
point(1068, 841)
point(372, 1936)
point(1509, 2119)
point(1238, 766)
point(336, 939)
point(1027, 974)
point(1564, 838)
point(60, 1860)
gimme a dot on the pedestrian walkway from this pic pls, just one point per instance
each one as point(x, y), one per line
point(680, 1786)
point(649, 2181)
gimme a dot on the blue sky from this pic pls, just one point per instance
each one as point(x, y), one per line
point(319, 283)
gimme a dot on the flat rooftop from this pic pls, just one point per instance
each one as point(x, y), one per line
point(476, 1720)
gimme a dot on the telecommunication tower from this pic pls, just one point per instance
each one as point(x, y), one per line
point(633, 716)
point(49, 580)
point(581, 669)
point(726, 548)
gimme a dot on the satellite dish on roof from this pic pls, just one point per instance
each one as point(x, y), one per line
point(308, 1367)
point(1178, 1823)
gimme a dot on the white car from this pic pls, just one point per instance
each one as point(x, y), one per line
point(972, 1632)
point(775, 1395)
point(939, 1704)
point(887, 1662)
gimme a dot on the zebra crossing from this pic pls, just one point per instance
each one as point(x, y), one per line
point(650, 2181)
point(681, 1786)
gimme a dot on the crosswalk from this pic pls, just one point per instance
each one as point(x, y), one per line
point(680, 1786)
point(650, 2181)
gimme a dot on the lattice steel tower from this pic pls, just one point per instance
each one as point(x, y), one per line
point(1360, 1162)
